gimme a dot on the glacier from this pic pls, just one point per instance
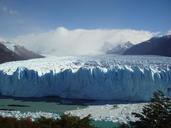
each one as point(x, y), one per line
point(103, 77)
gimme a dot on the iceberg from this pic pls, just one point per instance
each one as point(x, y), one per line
point(103, 77)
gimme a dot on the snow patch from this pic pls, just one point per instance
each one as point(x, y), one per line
point(31, 115)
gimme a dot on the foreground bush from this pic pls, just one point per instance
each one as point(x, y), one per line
point(123, 125)
point(10, 122)
point(157, 114)
point(66, 121)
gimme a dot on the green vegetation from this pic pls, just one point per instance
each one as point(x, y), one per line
point(157, 114)
point(66, 121)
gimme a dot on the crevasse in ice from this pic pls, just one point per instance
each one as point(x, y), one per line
point(107, 77)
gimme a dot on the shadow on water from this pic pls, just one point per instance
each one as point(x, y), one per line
point(45, 104)
point(67, 101)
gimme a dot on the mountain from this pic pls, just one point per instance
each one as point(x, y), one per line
point(25, 53)
point(155, 46)
point(12, 52)
point(7, 55)
point(119, 49)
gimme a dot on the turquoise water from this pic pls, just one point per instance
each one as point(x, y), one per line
point(46, 106)
point(33, 106)
point(104, 124)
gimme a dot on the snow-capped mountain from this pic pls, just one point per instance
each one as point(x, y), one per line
point(155, 46)
point(12, 52)
point(118, 49)
point(107, 77)
point(25, 53)
point(7, 55)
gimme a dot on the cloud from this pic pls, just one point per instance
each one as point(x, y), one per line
point(2, 39)
point(9, 11)
point(169, 32)
point(62, 41)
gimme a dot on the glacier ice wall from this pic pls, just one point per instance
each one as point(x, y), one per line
point(127, 78)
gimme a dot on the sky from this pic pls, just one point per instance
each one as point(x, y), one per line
point(78, 20)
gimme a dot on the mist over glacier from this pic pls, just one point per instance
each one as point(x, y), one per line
point(79, 41)
point(107, 77)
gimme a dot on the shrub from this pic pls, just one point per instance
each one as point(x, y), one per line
point(10, 122)
point(66, 121)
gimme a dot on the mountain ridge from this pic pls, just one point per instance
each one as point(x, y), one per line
point(155, 46)
point(118, 49)
point(11, 52)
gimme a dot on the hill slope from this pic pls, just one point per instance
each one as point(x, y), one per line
point(155, 46)
point(11, 52)
point(7, 55)
point(25, 53)
point(119, 49)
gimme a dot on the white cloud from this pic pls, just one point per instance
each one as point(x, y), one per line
point(62, 41)
point(2, 39)
point(9, 11)
point(4, 8)
point(169, 32)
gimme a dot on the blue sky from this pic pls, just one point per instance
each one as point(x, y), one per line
point(18, 17)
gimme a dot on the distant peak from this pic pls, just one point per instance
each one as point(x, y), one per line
point(116, 49)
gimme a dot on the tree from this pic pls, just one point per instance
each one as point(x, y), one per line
point(157, 114)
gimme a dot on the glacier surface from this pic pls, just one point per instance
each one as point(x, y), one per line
point(105, 77)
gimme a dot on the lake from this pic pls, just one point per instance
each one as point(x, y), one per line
point(51, 105)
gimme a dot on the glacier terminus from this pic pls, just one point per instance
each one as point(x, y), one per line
point(103, 77)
